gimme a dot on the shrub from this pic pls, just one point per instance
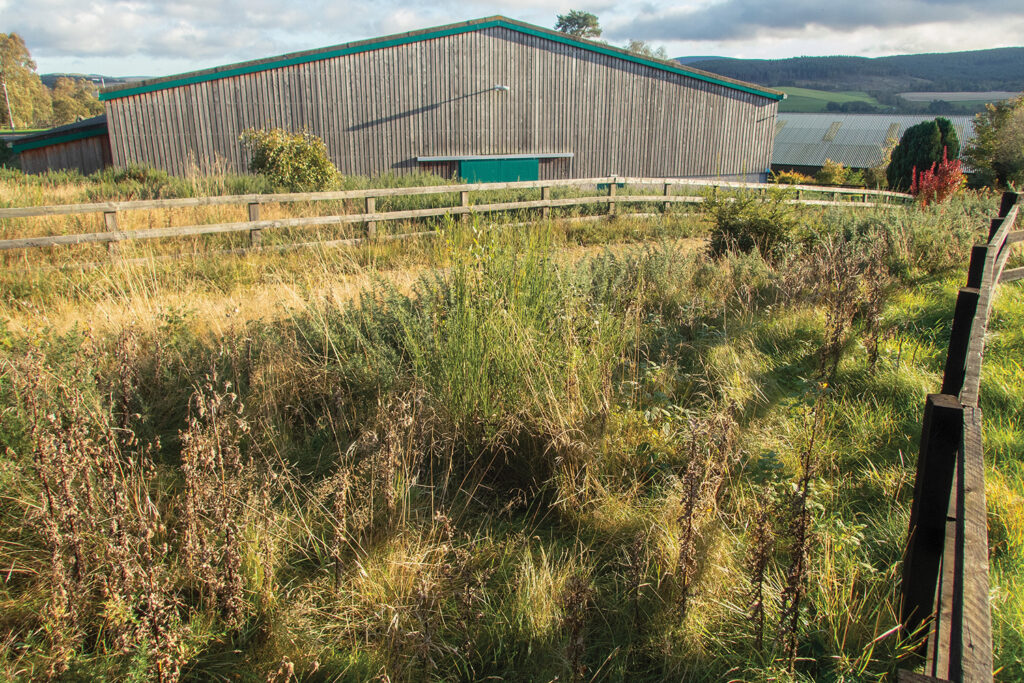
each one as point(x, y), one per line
point(744, 222)
point(791, 178)
point(939, 182)
point(832, 173)
point(296, 162)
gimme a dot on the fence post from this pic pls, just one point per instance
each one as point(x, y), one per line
point(545, 195)
point(960, 340)
point(799, 194)
point(611, 193)
point(667, 192)
point(1007, 202)
point(255, 234)
point(464, 201)
point(110, 223)
point(371, 226)
point(941, 436)
point(976, 268)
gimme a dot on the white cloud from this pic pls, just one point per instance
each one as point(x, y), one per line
point(157, 37)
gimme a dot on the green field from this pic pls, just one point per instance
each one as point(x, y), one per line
point(806, 100)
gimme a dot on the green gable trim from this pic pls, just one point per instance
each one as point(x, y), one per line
point(429, 34)
point(18, 147)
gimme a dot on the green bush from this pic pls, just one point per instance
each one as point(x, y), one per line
point(744, 222)
point(791, 178)
point(832, 173)
point(296, 162)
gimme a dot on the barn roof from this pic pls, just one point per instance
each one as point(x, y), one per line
point(854, 140)
point(295, 58)
point(79, 130)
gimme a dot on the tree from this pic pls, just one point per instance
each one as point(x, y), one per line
point(639, 47)
point(920, 147)
point(74, 99)
point(578, 24)
point(997, 151)
point(29, 100)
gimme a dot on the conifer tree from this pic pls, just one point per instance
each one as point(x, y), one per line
point(920, 147)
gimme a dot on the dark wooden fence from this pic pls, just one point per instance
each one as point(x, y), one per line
point(605, 192)
point(945, 587)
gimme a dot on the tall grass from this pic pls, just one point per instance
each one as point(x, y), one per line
point(511, 463)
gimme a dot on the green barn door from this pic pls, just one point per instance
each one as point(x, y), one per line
point(499, 170)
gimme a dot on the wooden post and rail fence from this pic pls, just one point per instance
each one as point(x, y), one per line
point(371, 216)
point(945, 585)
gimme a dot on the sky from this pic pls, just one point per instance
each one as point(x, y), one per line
point(157, 37)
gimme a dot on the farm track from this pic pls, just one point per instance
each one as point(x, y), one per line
point(217, 312)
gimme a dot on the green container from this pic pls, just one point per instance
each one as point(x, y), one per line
point(499, 170)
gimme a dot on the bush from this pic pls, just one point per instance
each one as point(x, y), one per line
point(832, 173)
point(744, 222)
point(938, 183)
point(791, 178)
point(296, 162)
point(920, 147)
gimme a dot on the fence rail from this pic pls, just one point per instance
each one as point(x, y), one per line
point(371, 216)
point(945, 585)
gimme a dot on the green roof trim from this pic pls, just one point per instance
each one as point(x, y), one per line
point(295, 59)
point(19, 147)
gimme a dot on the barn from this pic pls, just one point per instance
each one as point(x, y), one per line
point(487, 100)
point(804, 141)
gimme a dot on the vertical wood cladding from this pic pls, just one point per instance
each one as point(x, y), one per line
point(86, 155)
point(378, 110)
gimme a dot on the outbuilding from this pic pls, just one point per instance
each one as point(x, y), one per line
point(488, 100)
point(81, 146)
point(803, 142)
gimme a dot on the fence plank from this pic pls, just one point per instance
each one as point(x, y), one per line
point(1012, 275)
point(972, 522)
point(275, 198)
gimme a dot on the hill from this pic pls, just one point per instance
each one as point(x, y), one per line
point(49, 80)
point(996, 69)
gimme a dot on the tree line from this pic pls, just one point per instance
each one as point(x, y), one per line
point(972, 71)
point(25, 102)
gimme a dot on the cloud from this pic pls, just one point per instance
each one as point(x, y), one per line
point(745, 19)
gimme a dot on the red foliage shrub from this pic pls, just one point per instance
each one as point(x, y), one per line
point(938, 183)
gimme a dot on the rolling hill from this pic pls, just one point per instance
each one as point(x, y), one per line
point(996, 69)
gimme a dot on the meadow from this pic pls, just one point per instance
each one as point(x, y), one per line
point(673, 447)
point(808, 100)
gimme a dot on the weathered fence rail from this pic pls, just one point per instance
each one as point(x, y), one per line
point(945, 586)
point(371, 216)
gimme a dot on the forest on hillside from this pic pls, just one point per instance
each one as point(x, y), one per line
point(976, 70)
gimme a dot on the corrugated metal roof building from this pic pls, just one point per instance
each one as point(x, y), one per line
point(804, 141)
point(491, 99)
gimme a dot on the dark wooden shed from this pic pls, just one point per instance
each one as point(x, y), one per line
point(491, 99)
point(82, 146)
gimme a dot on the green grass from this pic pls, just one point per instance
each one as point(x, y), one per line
point(531, 460)
point(809, 100)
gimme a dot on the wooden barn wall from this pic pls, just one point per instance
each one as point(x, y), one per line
point(377, 111)
point(87, 155)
